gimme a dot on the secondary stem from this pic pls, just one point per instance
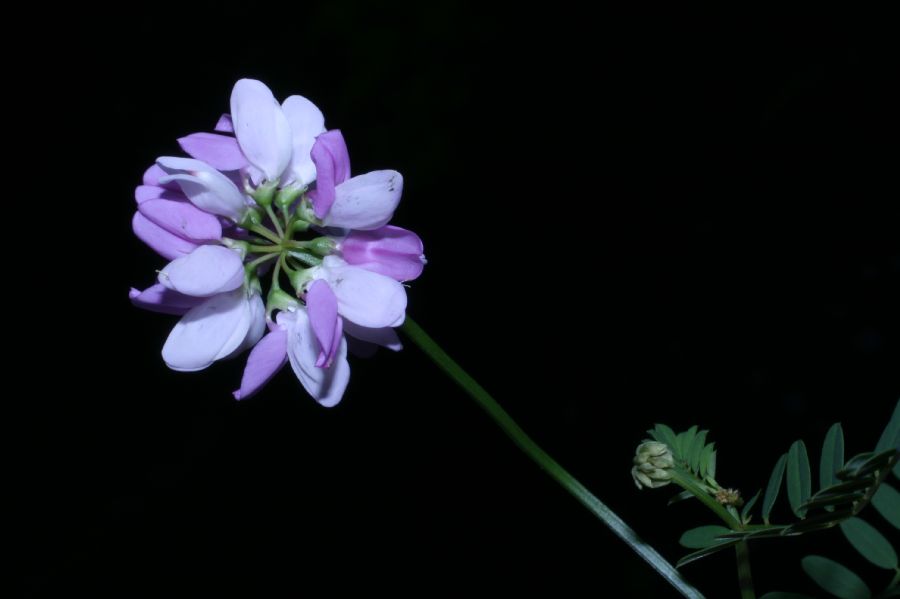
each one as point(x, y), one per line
point(745, 576)
point(544, 461)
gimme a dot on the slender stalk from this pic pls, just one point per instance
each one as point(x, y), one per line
point(260, 260)
point(275, 222)
point(745, 577)
point(265, 249)
point(265, 232)
point(544, 461)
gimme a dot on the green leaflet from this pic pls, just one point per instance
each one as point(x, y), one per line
point(702, 536)
point(692, 557)
point(891, 435)
point(887, 502)
point(774, 487)
point(870, 543)
point(664, 434)
point(799, 483)
point(835, 578)
point(832, 456)
point(745, 513)
point(707, 459)
point(696, 450)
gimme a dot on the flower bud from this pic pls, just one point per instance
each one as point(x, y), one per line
point(653, 465)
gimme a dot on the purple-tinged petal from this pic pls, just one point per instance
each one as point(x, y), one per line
point(208, 270)
point(219, 151)
point(142, 193)
point(207, 188)
point(153, 175)
point(165, 244)
point(306, 123)
point(385, 336)
point(366, 201)
point(390, 251)
point(326, 385)
point(364, 297)
point(224, 124)
point(332, 162)
point(265, 360)
point(183, 219)
point(322, 306)
point(157, 298)
point(209, 331)
point(261, 128)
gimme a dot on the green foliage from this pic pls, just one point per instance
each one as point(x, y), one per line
point(887, 502)
point(835, 578)
point(857, 483)
point(692, 557)
point(689, 449)
point(774, 487)
point(832, 455)
point(845, 487)
point(870, 543)
point(799, 479)
point(745, 513)
point(890, 438)
point(702, 536)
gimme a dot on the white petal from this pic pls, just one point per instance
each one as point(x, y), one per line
point(256, 329)
point(326, 385)
point(307, 122)
point(366, 201)
point(261, 128)
point(208, 331)
point(364, 297)
point(385, 336)
point(206, 271)
point(207, 188)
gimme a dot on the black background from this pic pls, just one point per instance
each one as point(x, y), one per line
point(668, 214)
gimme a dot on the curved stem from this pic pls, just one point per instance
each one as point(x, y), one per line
point(745, 577)
point(688, 484)
point(252, 265)
point(544, 461)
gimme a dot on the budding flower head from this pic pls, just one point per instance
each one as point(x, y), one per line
point(653, 463)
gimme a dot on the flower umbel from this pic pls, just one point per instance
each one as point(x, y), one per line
point(245, 218)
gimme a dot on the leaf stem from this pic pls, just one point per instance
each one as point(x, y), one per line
point(544, 461)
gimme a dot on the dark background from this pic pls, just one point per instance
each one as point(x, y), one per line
point(671, 214)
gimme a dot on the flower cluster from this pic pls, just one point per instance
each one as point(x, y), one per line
point(653, 463)
point(270, 193)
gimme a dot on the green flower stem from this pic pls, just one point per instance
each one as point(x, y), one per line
point(274, 220)
point(544, 461)
point(745, 576)
point(252, 265)
point(265, 249)
point(265, 232)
